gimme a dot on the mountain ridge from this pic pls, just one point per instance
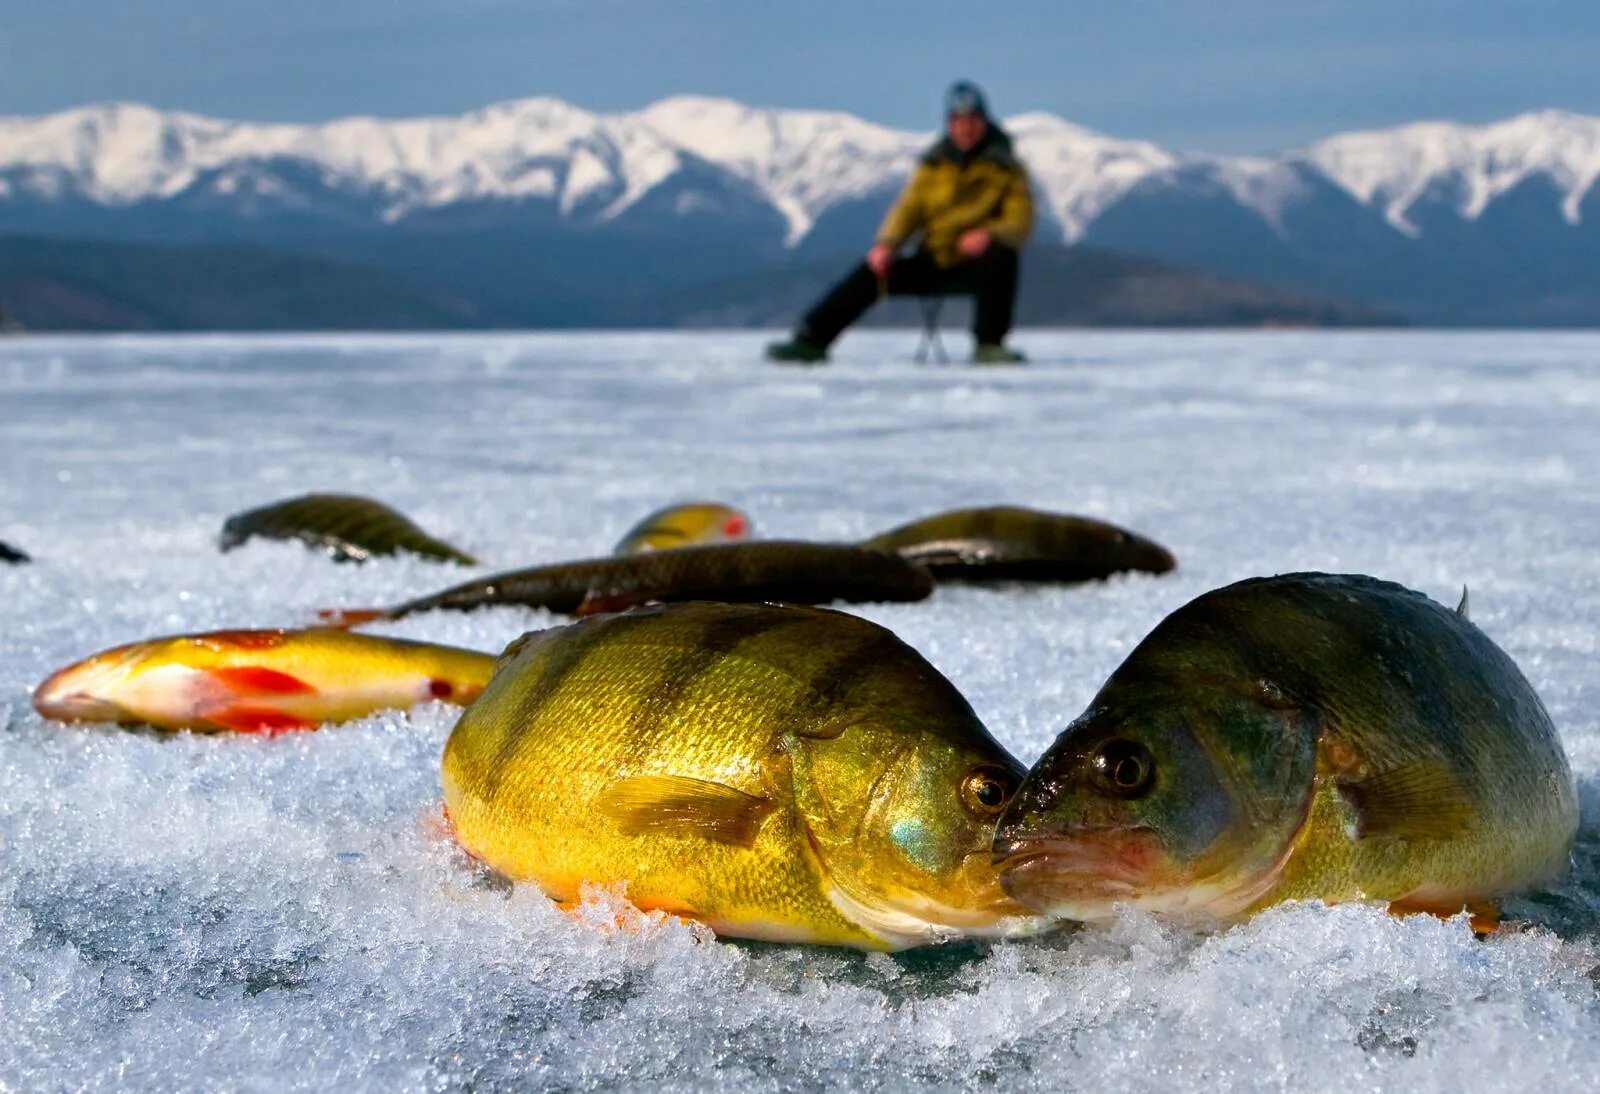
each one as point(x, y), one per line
point(1442, 221)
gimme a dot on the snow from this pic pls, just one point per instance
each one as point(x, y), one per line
point(803, 161)
point(1081, 173)
point(285, 914)
point(1394, 168)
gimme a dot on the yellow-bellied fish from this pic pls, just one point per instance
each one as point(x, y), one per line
point(1011, 543)
point(347, 527)
point(259, 681)
point(1303, 736)
point(791, 774)
point(685, 525)
point(774, 569)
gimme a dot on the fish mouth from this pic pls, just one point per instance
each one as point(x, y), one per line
point(76, 693)
point(1080, 876)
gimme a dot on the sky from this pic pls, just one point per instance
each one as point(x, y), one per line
point(1229, 76)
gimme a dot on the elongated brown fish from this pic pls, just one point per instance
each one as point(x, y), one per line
point(773, 570)
point(262, 681)
point(1324, 736)
point(784, 773)
point(1010, 543)
point(347, 527)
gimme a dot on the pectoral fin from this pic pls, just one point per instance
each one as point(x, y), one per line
point(598, 603)
point(248, 719)
point(1422, 801)
point(674, 804)
point(257, 679)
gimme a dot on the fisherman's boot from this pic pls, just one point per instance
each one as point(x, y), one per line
point(799, 350)
point(996, 353)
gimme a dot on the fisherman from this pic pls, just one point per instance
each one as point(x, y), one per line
point(969, 201)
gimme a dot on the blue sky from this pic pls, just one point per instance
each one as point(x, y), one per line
point(1245, 76)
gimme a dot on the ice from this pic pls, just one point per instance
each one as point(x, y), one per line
point(286, 914)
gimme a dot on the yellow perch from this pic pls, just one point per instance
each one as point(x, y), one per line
point(783, 773)
point(1323, 736)
point(685, 526)
point(265, 681)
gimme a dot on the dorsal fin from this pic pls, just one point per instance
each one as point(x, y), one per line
point(1461, 608)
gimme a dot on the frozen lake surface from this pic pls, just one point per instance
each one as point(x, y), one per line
point(274, 914)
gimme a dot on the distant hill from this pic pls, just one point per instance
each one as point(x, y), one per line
point(65, 284)
point(59, 284)
point(540, 207)
point(1061, 286)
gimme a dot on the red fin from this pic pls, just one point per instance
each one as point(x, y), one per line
point(243, 640)
point(600, 603)
point(1482, 915)
point(352, 617)
point(257, 678)
point(440, 689)
point(735, 526)
point(246, 719)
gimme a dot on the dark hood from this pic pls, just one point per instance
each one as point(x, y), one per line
point(996, 146)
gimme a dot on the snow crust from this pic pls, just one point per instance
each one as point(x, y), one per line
point(201, 913)
point(804, 162)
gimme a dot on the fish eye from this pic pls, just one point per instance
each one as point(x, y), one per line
point(986, 790)
point(1123, 768)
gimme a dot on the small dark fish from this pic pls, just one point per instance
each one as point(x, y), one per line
point(10, 554)
point(349, 528)
point(1010, 543)
point(772, 570)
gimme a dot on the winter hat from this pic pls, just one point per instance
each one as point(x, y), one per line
point(964, 98)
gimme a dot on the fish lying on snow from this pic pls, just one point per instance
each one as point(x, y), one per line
point(685, 526)
point(791, 774)
point(260, 681)
point(1303, 736)
point(779, 570)
point(350, 528)
point(1010, 543)
point(10, 554)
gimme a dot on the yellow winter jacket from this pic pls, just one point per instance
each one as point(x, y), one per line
point(947, 197)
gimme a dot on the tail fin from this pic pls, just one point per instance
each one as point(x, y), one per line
point(345, 618)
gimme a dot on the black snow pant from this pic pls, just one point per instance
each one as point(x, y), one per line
point(991, 278)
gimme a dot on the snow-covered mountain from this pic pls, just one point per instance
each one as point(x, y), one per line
point(1393, 169)
point(1364, 214)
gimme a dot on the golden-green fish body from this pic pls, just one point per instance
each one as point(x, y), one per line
point(1011, 543)
point(1303, 736)
point(782, 773)
point(260, 680)
point(347, 527)
point(685, 525)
